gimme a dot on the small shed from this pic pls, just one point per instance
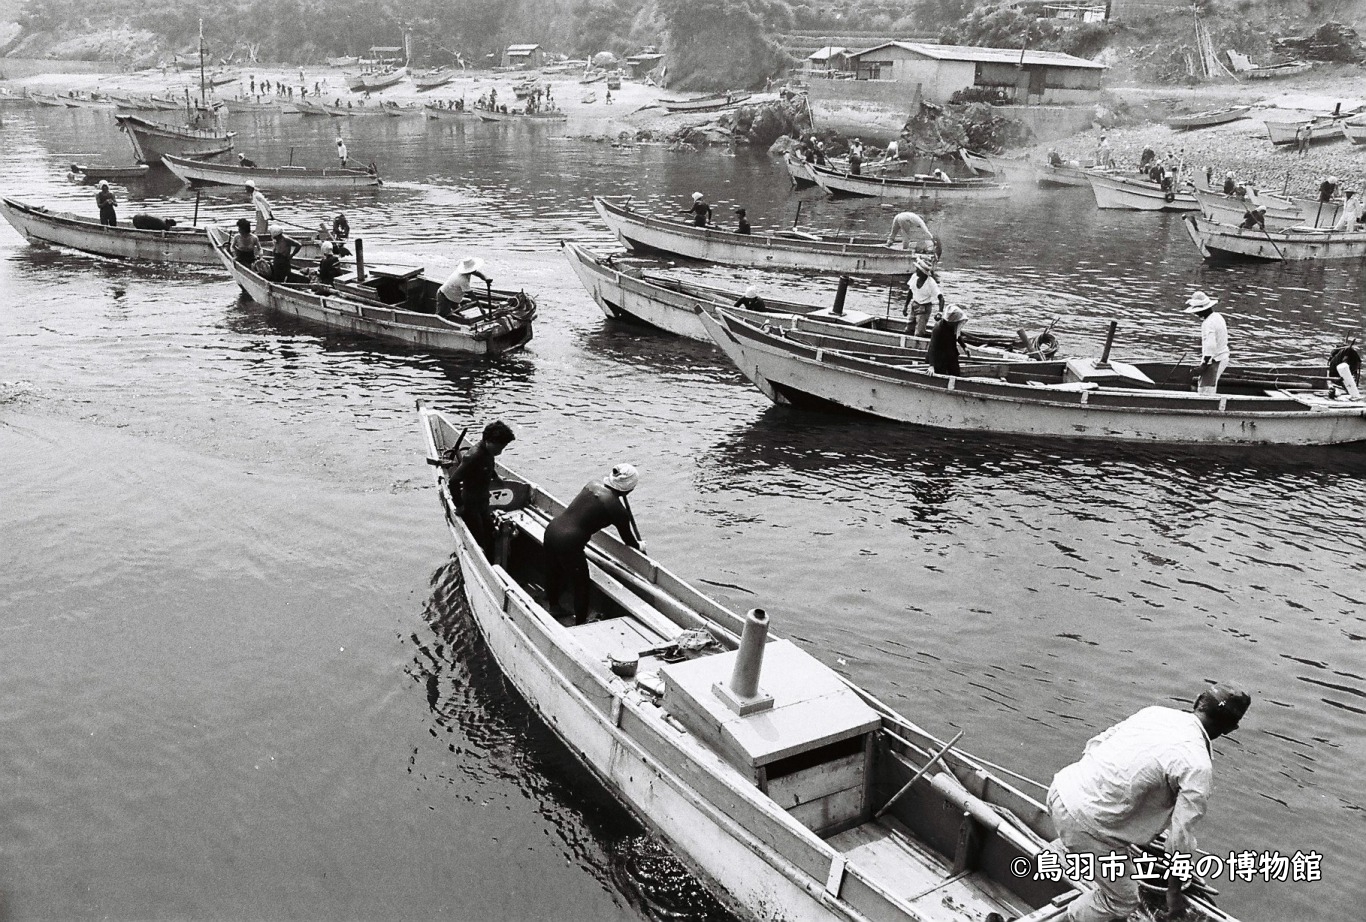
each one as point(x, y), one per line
point(523, 56)
point(1023, 76)
point(827, 60)
point(638, 65)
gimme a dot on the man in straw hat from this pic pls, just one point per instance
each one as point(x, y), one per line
point(454, 289)
point(1214, 352)
point(1149, 773)
point(599, 504)
point(922, 294)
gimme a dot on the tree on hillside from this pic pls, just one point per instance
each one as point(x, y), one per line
point(717, 44)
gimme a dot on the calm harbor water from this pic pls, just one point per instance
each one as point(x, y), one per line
point(240, 682)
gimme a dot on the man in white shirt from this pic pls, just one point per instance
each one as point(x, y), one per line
point(902, 226)
point(452, 291)
point(1214, 353)
point(922, 294)
point(1150, 772)
point(341, 153)
point(265, 215)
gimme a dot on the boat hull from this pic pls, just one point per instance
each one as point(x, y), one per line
point(1135, 195)
point(906, 190)
point(1282, 132)
point(151, 140)
point(1207, 119)
point(859, 257)
point(490, 116)
point(792, 375)
point(1071, 176)
point(1228, 241)
point(458, 115)
point(268, 179)
point(1280, 213)
point(799, 170)
point(1354, 131)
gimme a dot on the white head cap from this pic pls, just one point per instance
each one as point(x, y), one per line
point(623, 478)
point(751, 292)
point(251, 186)
point(275, 230)
point(697, 196)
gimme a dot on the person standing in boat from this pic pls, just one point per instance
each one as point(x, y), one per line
point(946, 343)
point(1148, 773)
point(1328, 189)
point(1214, 352)
point(1230, 183)
point(454, 289)
point(283, 250)
point(341, 153)
point(264, 213)
point(741, 222)
point(341, 228)
point(700, 211)
point(472, 477)
point(902, 225)
point(106, 202)
point(246, 246)
point(598, 505)
point(856, 157)
point(922, 293)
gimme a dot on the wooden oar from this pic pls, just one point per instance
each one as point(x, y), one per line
point(924, 768)
point(488, 294)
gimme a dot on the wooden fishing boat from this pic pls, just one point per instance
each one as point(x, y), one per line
point(1003, 168)
point(1273, 71)
point(915, 188)
point(277, 179)
point(304, 107)
point(1288, 130)
point(791, 791)
point(396, 305)
point(799, 170)
point(550, 115)
point(673, 305)
point(1354, 129)
point(1076, 399)
point(53, 100)
point(350, 60)
point(1230, 241)
point(369, 82)
point(94, 173)
point(762, 250)
point(710, 103)
point(431, 81)
point(1281, 211)
point(153, 140)
point(184, 246)
point(266, 104)
point(1063, 175)
point(1115, 191)
point(439, 112)
point(1209, 117)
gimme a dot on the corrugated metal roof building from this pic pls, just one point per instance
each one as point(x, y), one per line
point(523, 56)
point(1029, 77)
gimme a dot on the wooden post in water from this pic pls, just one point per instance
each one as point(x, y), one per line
point(360, 260)
point(196, 207)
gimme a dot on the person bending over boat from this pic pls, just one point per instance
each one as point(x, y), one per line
point(264, 213)
point(244, 161)
point(922, 292)
point(751, 301)
point(1214, 352)
point(700, 211)
point(469, 482)
point(566, 537)
point(902, 226)
point(946, 343)
point(246, 246)
point(454, 289)
point(283, 249)
point(341, 228)
point(1255, 219)
point(106, 202)
point(1149, 773)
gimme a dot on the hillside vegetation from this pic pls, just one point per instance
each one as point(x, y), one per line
point(710, 44)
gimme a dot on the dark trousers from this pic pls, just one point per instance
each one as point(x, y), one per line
point(108, 217)
point(479, 520)
point(566, 566)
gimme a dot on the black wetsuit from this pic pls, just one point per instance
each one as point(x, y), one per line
point(755, 303)
point(329, 268)
point(473, 476)
point(596, 507)
point(701, 214)
point(105, 199)
point(943, 348)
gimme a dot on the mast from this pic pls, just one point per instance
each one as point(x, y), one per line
point(203, 100)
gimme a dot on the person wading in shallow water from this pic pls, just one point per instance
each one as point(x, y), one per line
point(598, 505)
point(1149, 773)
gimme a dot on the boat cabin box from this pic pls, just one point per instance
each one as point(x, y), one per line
point(1026, 77)
point(811, 752)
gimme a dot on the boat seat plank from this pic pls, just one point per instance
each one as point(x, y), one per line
point(624, 638)
point(884, 850)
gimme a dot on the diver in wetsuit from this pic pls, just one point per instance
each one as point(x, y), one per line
point(597, 506)
point(473, 476)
